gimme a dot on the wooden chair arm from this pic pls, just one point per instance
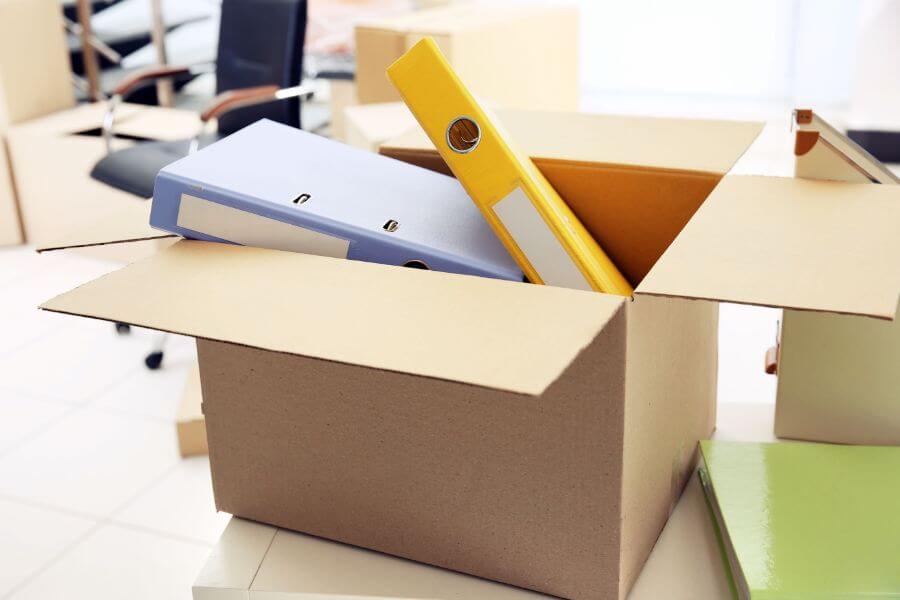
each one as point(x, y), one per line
point(142, 76)
point(232, 99)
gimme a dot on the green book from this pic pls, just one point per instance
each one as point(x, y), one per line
point(800, 521)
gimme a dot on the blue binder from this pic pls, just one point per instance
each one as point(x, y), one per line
point(273, 186)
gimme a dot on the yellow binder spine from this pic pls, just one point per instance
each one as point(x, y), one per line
point(537, 227)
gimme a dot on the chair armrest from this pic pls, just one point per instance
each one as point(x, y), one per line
point(232, 99)
point(132, 82)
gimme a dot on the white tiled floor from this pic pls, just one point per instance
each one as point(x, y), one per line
point(94, 499)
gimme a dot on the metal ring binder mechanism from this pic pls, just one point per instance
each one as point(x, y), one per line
point(463, 135)
point(537, 227)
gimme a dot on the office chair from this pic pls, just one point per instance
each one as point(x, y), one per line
point(258, 69)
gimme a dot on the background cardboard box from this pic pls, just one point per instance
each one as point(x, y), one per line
point(35, 80)
point(838, 379)
point(522, 55)
point(190, 424)
point(52, 157)
point(838, 375)
point(367, 126)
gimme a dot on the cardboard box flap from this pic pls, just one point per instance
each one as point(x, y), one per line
point(683, 144)
point(133, 120)
point(791, 243)
point(505, 335)
point(130, 222)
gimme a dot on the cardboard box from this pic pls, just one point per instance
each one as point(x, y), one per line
point(522, 55)
point(368, 126)
point(190, 424)
point(838, 379)
point(838, 375)
point(35, 77)
point(257, 560)
point(52, 157)
point(35, 80)
point(10, 224)
point(342, 94)
point(532, 435)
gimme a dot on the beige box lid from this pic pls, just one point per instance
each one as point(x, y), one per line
point(454, 18)
point(504, 335)
point(705, 146)
point(791, 243)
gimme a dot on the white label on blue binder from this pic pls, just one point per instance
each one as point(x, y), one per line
point(248, 229)
point(538, 243)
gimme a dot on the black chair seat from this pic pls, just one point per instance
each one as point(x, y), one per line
point(134, 169)
point(260, 43)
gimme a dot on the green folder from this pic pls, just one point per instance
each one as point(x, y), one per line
point(800, 521)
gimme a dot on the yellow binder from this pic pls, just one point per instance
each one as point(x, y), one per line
point(537, 227)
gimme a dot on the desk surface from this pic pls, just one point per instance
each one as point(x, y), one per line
point(685, 563)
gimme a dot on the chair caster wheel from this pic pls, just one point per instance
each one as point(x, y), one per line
point(123, 328)
point(153, 360)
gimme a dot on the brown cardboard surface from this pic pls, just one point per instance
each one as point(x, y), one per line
point(420, 322)
point(367, 126)
point(807, 245)
point(10, 225)
point(35, 78)
point(52, 163)
point(124, 222)
point(496, 48)
point(670, 403)
point(521, 489)
point(189, 422)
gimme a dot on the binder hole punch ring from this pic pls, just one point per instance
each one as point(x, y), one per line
point(463, 135)
point(391, 226)
point(417, 264)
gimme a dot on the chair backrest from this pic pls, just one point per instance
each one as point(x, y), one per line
point(261, 43)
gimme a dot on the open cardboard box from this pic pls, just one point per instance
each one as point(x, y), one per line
point(52, 157)
point(532, 435)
